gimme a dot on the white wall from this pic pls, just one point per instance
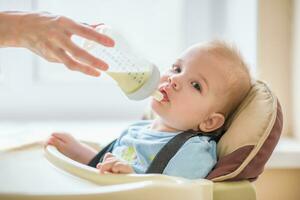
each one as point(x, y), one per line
point(234, 21)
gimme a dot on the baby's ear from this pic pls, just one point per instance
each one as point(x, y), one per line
point(214, 121)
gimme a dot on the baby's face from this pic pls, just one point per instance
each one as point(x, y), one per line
point(190, 87)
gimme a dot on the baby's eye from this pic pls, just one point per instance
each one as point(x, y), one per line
point(197, 86)
point(176, 69)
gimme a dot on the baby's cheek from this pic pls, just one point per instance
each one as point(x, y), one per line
point(186, 117)
point(164, 77)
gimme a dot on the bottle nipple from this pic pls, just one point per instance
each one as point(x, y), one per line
point(157, 95)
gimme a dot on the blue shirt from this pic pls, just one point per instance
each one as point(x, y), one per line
point(138, 146)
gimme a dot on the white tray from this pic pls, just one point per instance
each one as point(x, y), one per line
point(26, 173)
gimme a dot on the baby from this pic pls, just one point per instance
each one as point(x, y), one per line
point(201, 89)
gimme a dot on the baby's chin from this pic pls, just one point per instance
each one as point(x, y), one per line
point(161, 112)
point(162, 109)
point(156, 106)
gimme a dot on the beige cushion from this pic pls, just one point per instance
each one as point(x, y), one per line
point(252, 134)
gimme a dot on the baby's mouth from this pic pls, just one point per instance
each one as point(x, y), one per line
point(163, 91)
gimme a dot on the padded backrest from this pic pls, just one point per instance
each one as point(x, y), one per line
point(252, 134)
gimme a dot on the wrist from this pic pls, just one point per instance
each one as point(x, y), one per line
point(10, 28)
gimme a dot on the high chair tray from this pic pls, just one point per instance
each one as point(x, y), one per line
point(32, 172)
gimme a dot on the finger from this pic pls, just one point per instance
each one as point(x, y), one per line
point(96, 25)
point(62, 136)
point(117, 167)
point(91, 34)
point(121, 168)
point(57, 138)
point(57, 143)
point(110, 159)
point(49, 141)
point(82, 55)
point(106, 166)
point(74, 65)
point(92, 25)
point(99, 165)
point(107, 155)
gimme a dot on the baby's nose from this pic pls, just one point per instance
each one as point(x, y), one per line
point(173, 82)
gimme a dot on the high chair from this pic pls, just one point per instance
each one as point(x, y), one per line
point(251, 134)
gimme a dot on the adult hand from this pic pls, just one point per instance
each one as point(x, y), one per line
point(50, 37)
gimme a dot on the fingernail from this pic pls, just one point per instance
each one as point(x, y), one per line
point(112, 43)
point(109, 42)
point(96, 74)
point(104, 67)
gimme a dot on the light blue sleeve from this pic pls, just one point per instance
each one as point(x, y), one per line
point(195, 159)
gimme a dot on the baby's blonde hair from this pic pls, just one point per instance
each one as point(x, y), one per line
point(238, 76)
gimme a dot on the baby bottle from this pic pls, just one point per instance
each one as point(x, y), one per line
point(138, 78)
